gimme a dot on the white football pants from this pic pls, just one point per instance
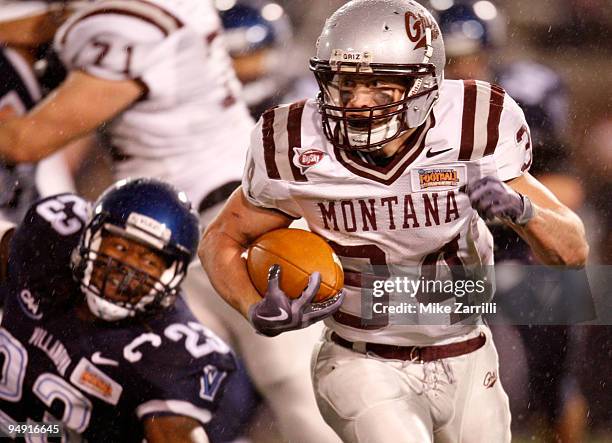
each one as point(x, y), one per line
point(369, 399)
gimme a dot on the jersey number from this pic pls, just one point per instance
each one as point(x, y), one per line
point(193, 332)
point(55, 212)
point(376, 257)
point(47, 387)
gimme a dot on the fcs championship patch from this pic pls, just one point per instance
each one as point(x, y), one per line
point(440, 178)
point(90, 379)
point(306, 158)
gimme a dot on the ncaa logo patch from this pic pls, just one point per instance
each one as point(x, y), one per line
point(211, 382)
point(306, 158)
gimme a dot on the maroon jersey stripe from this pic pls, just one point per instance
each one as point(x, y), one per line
point(267, 131)
point(294, 131)
point(496, 104)
point(468, 120)
point(132, 13)
point(179, 23)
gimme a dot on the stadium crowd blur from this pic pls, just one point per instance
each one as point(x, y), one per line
point(564, 44)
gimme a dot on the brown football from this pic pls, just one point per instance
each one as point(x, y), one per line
point(299, 253)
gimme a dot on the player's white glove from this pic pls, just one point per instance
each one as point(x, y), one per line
point(276, 313)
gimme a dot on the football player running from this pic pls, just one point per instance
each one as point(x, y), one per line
point(156, 75)
point(96, 336)
point(360, 165)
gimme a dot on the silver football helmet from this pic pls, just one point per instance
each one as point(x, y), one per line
point(374, 42)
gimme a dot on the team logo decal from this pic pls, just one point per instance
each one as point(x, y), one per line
point(433, 178)
point(90, 379)
point(490, 379)
point(211, 382)
point(416, 26)
point(29, 304)
point(306, 158)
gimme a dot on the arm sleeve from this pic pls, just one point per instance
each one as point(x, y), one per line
point(513, 154)
point(259, 188)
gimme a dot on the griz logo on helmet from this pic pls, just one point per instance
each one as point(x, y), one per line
point(415, 28)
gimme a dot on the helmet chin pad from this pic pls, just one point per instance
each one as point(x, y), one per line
point(104, 309)
point(368, 139)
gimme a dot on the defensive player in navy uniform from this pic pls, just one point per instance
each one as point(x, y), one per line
point(95, 334)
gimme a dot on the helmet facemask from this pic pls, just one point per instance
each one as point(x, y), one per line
point(393, 90)
point(116, 290)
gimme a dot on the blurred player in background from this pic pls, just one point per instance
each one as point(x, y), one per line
point(594, 378)
point(24, 27)
point(470, 36)
point(384, 119)
point(95, 334)
point(258, 36)
point(162, 82)
point(474, 36)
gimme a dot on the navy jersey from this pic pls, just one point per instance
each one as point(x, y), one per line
point(101, 379)
point(19, 92)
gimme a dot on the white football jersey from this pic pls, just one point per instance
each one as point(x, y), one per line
point(189, 128)
point(409, 213)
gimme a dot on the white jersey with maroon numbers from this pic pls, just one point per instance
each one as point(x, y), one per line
point(409, 214)
point(189, 128)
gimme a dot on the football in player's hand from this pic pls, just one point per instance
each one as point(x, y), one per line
point(299, 253)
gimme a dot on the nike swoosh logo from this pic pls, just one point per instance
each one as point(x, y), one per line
point(431, 153)
point(97, 359)
point(282, 316)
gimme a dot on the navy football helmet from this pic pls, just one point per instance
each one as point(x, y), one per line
point(258, 36)
point(470, 26)
point(151, 213)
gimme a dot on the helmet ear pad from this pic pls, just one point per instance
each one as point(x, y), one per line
point(414, 116)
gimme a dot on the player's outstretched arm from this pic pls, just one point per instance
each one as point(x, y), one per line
point(176, 429)
point(553, 231)
point(224, 241)
point(77, 107)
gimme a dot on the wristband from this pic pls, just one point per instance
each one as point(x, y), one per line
point(528, 211)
